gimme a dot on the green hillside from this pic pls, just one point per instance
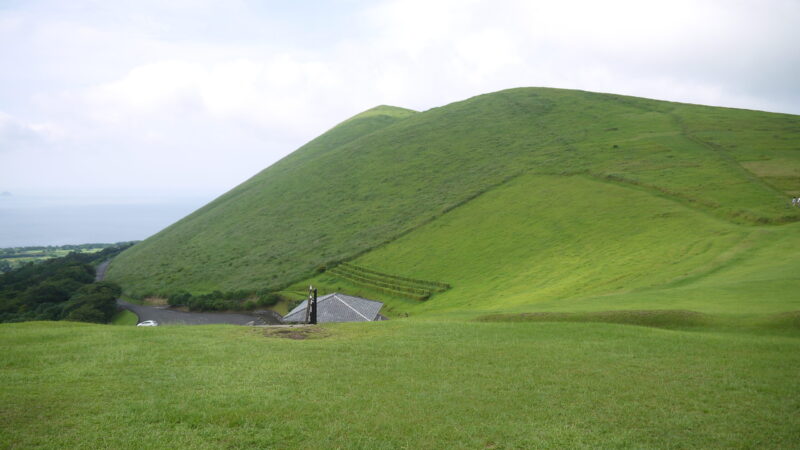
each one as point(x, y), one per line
point(515, 198)
point(575, 243)
point(562, 269)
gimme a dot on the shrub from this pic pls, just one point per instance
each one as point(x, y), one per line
point(48, 292)
point(181, 298)
point(292, 304)
point(86, 313)
point(269, 299)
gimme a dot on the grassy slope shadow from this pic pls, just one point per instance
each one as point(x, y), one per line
point(649, 318)
point(786, 323)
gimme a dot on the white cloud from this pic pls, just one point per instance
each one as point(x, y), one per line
point(16, 135)
point(207, 93)
point(700, 49)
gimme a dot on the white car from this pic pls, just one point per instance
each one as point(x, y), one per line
point(147, 323)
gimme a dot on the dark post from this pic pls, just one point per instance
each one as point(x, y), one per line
point(314, 308)
point(308, 304)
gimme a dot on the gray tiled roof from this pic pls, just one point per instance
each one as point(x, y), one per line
point(338, 308)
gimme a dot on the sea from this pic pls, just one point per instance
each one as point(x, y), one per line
point(42, 220)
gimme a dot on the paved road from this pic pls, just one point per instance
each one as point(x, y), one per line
point(165, 316)
point(100, 270)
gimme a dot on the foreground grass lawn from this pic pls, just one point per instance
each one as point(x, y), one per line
point(401, 383)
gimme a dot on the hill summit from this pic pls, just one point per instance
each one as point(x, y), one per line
point(517, 196)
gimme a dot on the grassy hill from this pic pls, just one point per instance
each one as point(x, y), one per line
point(577, 243)
point(562, 269)
point(572, 194)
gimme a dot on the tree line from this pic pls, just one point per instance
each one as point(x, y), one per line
point(59, 289)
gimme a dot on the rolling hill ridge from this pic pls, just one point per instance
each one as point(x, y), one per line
point(522, 197)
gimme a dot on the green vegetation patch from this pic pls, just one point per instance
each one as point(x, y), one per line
point(399, 383)
point(124, 317)
point(221, 301)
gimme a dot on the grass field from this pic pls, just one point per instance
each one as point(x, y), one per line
point(401, 383)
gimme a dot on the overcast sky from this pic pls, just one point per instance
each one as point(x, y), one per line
point(195, 96)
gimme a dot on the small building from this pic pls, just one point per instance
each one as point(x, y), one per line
point(338, 308)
